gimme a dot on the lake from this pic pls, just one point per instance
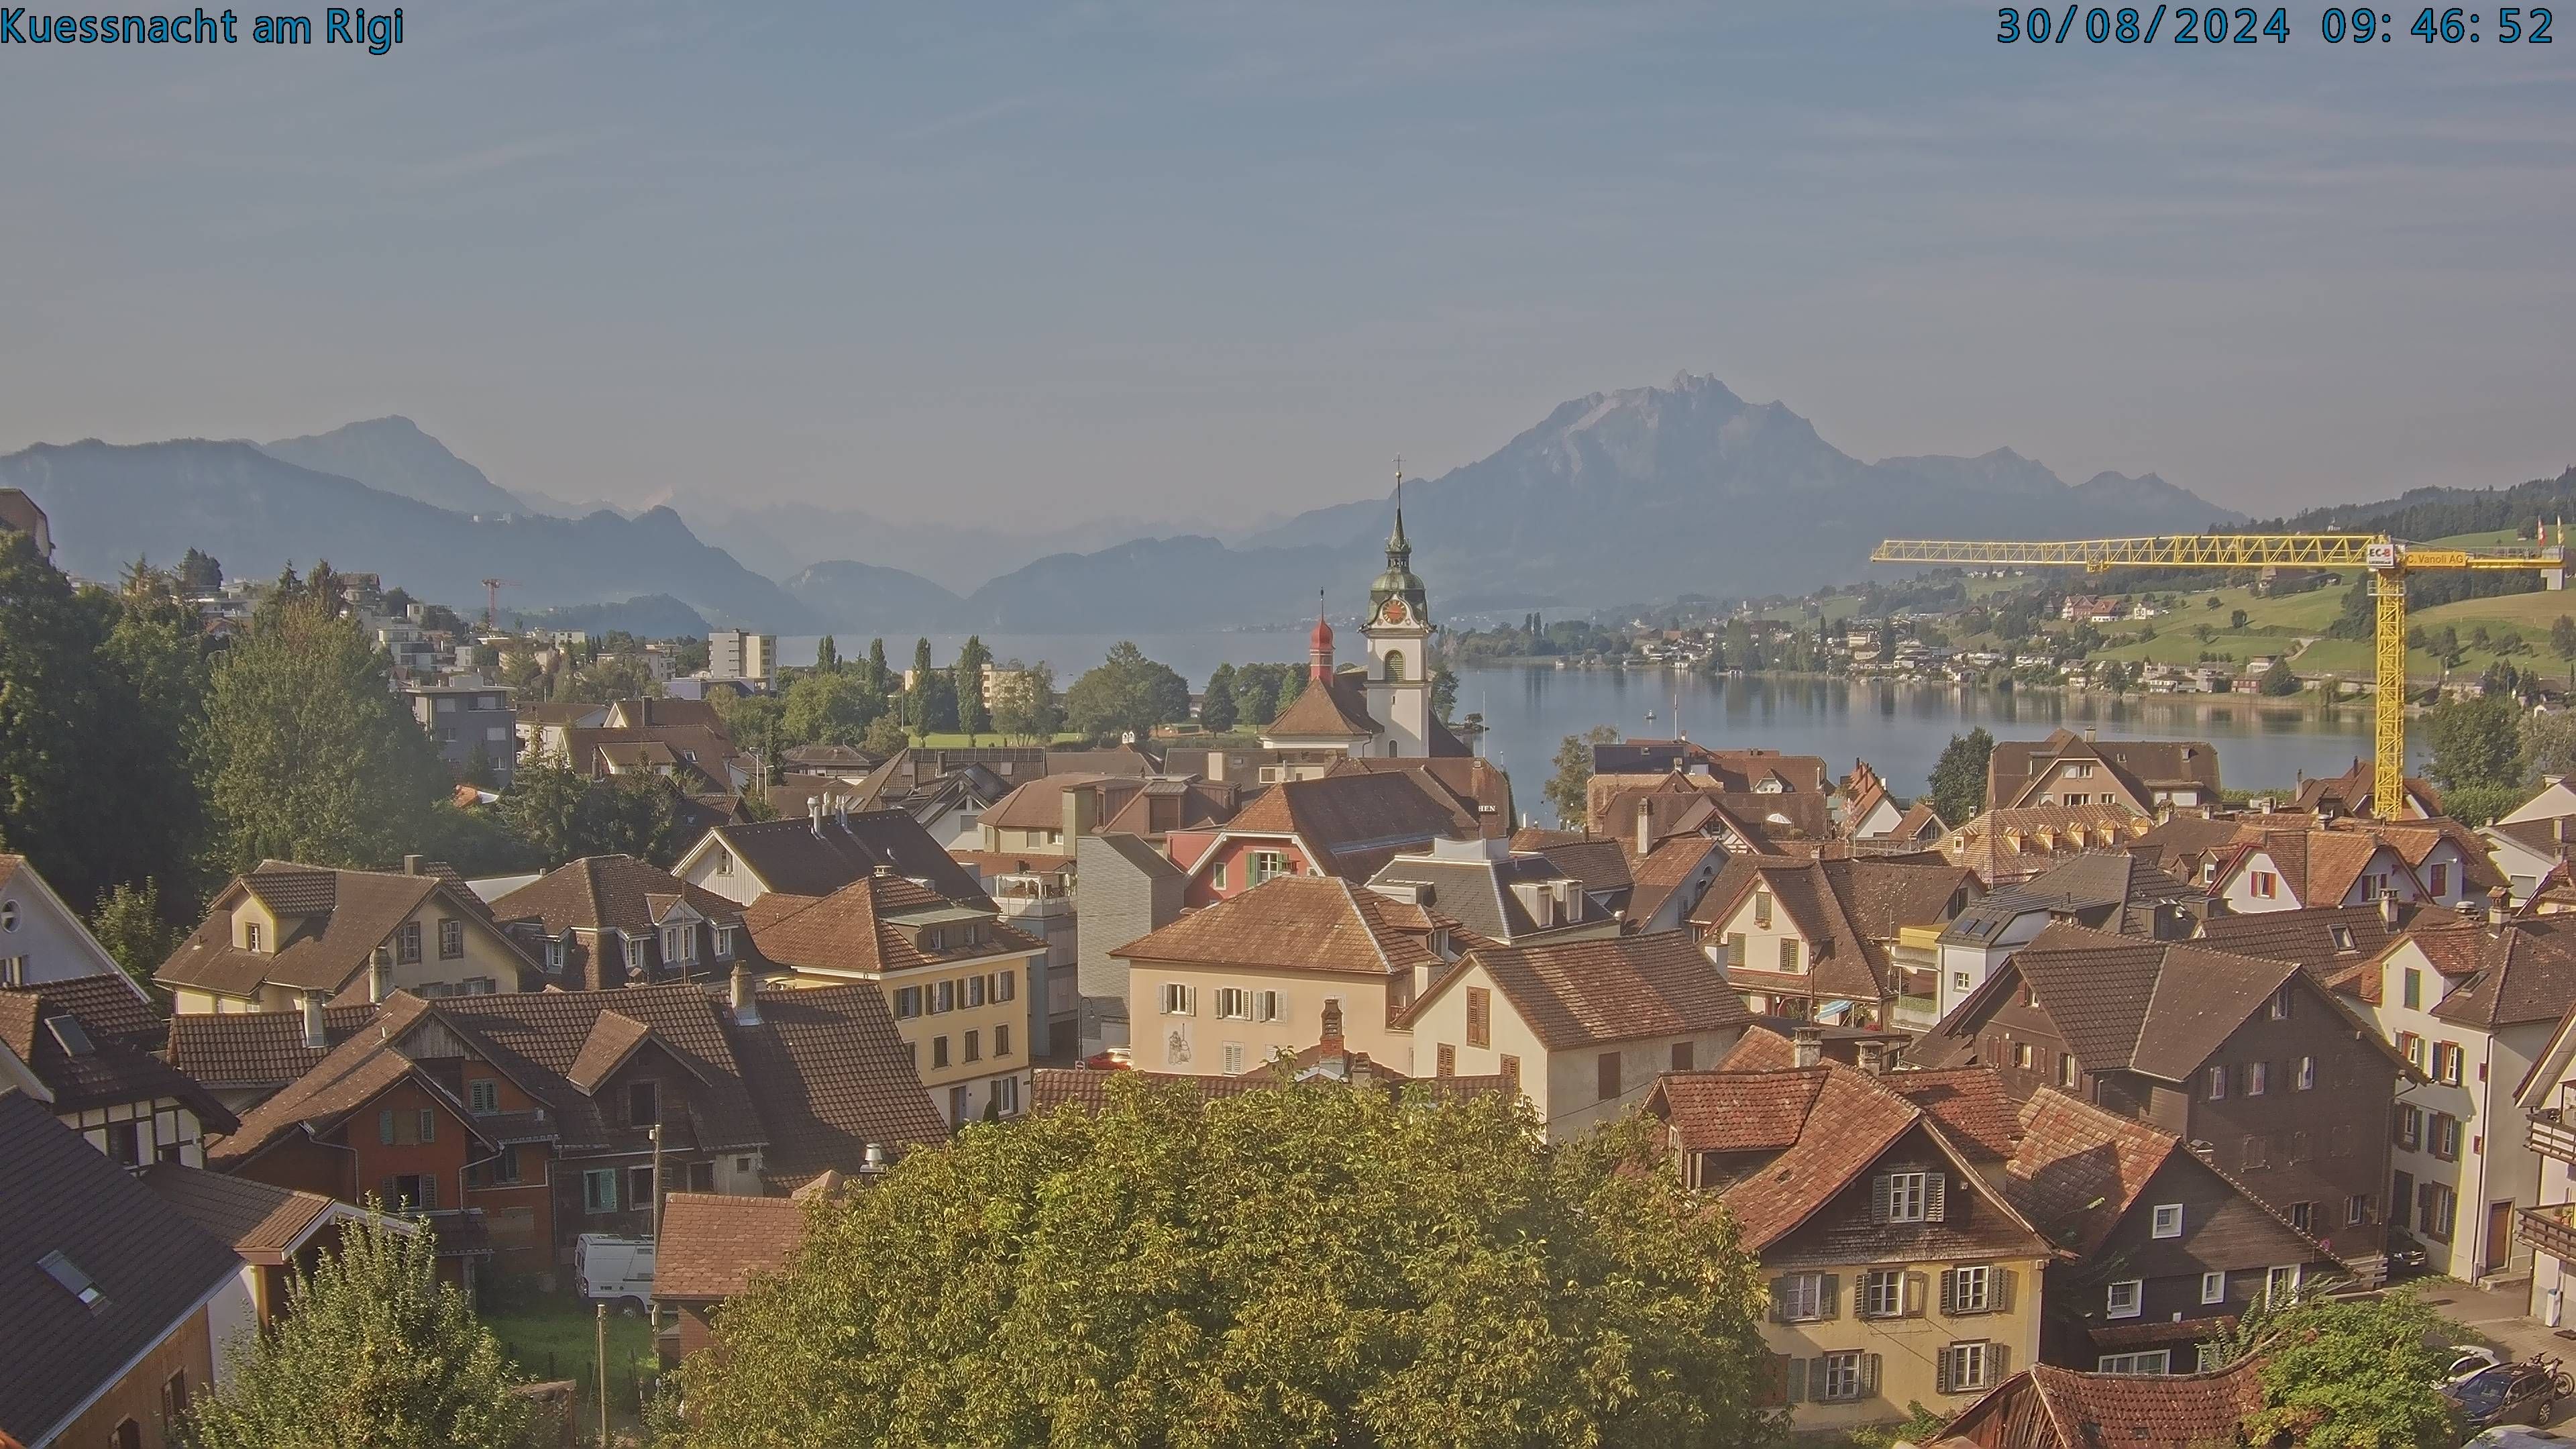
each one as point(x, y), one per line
point(1899, 728)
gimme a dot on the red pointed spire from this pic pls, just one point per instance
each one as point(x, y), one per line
point(1320, 646)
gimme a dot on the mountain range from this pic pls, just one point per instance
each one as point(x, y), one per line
point(1620, 497)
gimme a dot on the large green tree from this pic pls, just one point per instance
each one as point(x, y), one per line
point(1300, 1265)
point(2349, 1373)
point(1959, 777)
point(310, 755)
point(1217, 710)
point(100, 699)
point(1567, 790)
point(1126, 692)
point(974, 716)
point(561, 814)
point(2475, 742)
point(373, 1352)
point(827, 707)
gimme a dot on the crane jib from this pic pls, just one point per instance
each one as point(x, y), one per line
point(2389, 561)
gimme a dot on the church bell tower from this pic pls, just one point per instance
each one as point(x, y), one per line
point(1398, 632)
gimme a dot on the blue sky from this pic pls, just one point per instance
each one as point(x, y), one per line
point(1220, 259)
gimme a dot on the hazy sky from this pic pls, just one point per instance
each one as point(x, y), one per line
point(1129, 258)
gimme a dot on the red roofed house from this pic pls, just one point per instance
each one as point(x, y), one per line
point(1224, 990)
point(1898, 1275)
point(1580, 1028)
point(2166, 1250)
point(286, 933)
point(1343, 824)
point(2054, 1408)
point(1833, 939)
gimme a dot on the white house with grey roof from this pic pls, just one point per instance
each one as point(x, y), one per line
point(1493, 891)
point(2107, 890)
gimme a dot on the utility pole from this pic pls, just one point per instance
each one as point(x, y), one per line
point(603, 1376)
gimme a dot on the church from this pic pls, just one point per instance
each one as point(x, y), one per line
point(1377, 710)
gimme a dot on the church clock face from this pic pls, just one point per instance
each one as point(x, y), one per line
point(1395, 611)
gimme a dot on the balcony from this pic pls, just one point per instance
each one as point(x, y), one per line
point(2551, 1229)
point(2553, 1135)
point(1031, 896)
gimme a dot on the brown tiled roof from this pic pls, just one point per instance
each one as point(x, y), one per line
point(1849, 910)
point(1088, 1087)
point(1354, 823)
point(331, 922)
point(1598, 861)
point(798, 858)
point(1334, 709)
point(1666, 869)
point(259, 1048)
point(1619, 988)
point(151, 1266)
point(1969, 1103)
point(1848, 1124)
point(2315, 938)
point(854, 929)
point(2525, 971)
point(712, 1243)
point(830, 1078)
point(1296, 923)
point(2003, 845)
point(113, 1069)
point(2140, 765)
point(2046, 1407)
point(613, 1038)
point(1739, 1108)
point(607, 892)
point(2126, 1004)
point(262, 1223)
point(2078, 1168)
point(1476, 788)
point(111, 1006)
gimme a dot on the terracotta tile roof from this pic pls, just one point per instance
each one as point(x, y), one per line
point(1353, 823)
point(2046, 1407)
point(1849, 1123)
point(1849, 911)
point(1475, 786)
point(830, 1077)
point(2329, 941)
point(46, 1028)
point(1734, 770)
point(613, 1038)
point(540, 1039)
point(2017, 768)
point(1619, 988)
point(712, 1243)
point(1088, 1087)
point(330, 923)
point(804, 858)
point(607, 892)
point(1740, 1108)
point(264, 1224)
point(1969, 1103)
point(1334, 710)
point(1296, 923)
point(112, 1007)
point(256, 1049)
point(151, 1266)
point(2522, 972)
point(1669, 867)
point(2079, 1169)
point(2010, 845)
point(860, 928)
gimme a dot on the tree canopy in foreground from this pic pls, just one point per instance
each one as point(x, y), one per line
point(373, 1352)
point(1300, 1265)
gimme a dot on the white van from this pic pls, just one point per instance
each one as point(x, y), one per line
point(614, 1269)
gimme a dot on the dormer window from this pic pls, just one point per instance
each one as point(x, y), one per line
point(679, 944)
point(724, 943)
point(250, 935)
point(558, 950)
point(724, 862)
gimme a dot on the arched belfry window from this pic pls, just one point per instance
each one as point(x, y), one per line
point(1395, 664)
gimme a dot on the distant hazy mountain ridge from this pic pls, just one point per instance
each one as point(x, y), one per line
point(394, 456)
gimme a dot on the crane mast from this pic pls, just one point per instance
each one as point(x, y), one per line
point(2389, 561)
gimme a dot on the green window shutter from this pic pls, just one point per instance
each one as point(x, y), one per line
point(2003, 1288)
point(1797, 1381)
point(1941, 1374)
point(428, 1124)
point(1949, 1292)
point(1998, 1364)
point(1831, 1299)
point(1779, 1300)
point(1879, 1193)
point(1869, 1376)
point(1936, 1197)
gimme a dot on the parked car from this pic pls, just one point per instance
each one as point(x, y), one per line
point(2468, 1360)
point(2518, 1436)
point(2509, 1393)
point(607, 1268)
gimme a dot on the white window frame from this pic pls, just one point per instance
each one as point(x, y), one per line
point(1838, 1377)
point(2165, 1221)
point(1270, 1006)
point(1180, 999)
point(1978, 1352)
point(1233, 1003)
point(2145, 1362)
point(2213, 1287)
point(2135, 1296)
point(2272, 1282)
point(1972, 1288)
point(1882, 1293)
point(1909, 1196)
point(1230, 1058)
point(1802, 1298)
point(1268, 865)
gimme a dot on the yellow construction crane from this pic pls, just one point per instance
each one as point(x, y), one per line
point(2389, 560)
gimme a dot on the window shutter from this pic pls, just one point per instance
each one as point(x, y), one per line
point(428, 1124)
point(1779, 1300)
point(1918, 1289)
point(1936, 1196)
point(1878, 1198)
point(1869, 1376)
point(1797, 1381)
point(428, 1193)
point(1942, 1364)
point(1830, 1301)
point(1773, 1390)
point(385, 1194)
point(2000, 1297)
point(1998, 1364)
point(1949, 1291)
point(385, 1126)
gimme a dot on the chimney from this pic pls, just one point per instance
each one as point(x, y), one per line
point(814, 814)
point(380, 974)
point(2204, 1150)
point(411, 865)
point(746, 995)
point(1331, 1040)
point(882, 871)
point(314, 1036)
point(2388, 909)
point(841, 809)
point(2091, 734)
point(1645, 827)
point(1806, 1047)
